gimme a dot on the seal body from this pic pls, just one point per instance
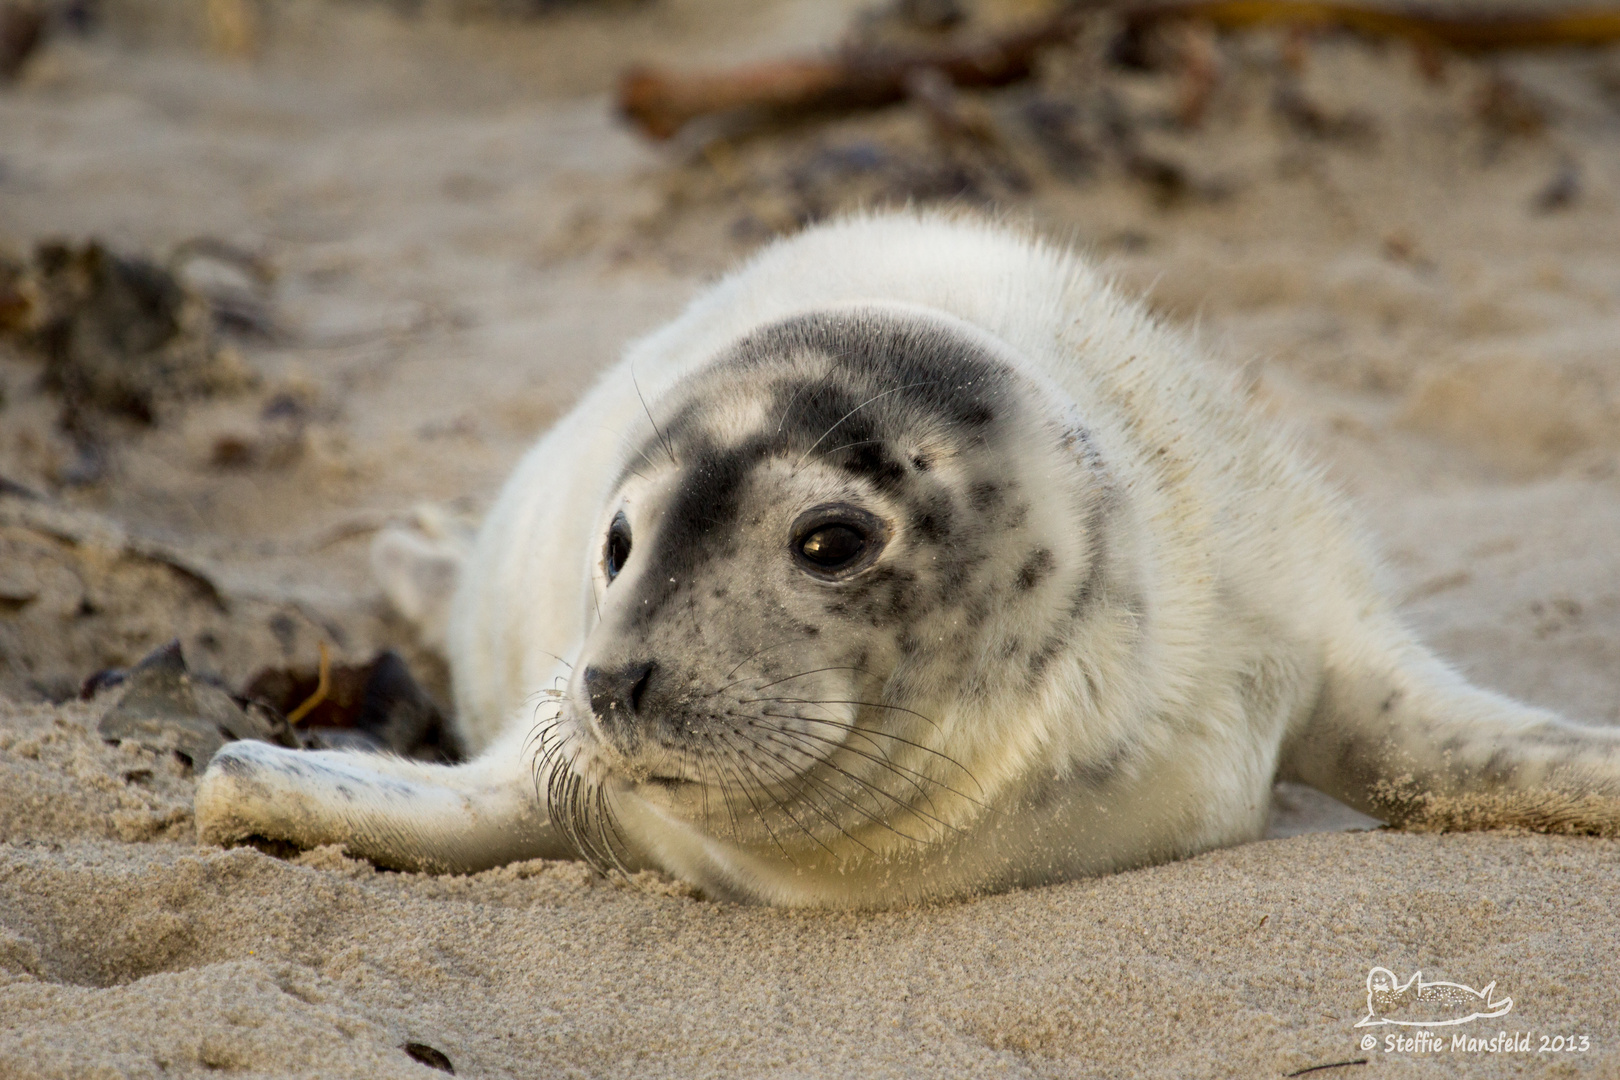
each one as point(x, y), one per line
point(912, 561)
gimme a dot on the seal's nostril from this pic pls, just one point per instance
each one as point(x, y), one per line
point(619, 690)
point(640, 688)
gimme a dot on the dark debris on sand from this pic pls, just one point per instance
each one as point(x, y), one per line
point(377, 706)
point(126, 338)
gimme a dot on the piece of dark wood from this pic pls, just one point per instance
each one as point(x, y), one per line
point(661, 102)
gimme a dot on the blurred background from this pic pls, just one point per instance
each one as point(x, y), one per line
point(274, 275)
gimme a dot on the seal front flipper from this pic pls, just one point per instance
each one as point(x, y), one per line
point(1397, 734)
point(400, 814)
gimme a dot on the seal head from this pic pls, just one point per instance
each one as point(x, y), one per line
point(844, 549)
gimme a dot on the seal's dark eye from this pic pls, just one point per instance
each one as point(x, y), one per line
point(836, 540)
point(617, 551)
point(832, 546)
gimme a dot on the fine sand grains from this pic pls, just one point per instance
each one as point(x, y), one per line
point(168, 960)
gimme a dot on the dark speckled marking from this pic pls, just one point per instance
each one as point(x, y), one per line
point(931, 518)
point(984, 496)
point(1091, 590)
point(871, 461)
point(1101, 772)
point(1039, 563)
point(1042, 656)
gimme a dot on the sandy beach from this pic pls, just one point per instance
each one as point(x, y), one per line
point(456, 235)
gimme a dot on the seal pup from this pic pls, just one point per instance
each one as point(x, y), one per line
point(911, 562)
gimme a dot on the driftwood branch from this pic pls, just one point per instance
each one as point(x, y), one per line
point(661, 102)
point(1484, 32)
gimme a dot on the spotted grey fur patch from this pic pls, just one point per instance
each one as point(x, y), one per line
point(1039, 563)
point(874, 378)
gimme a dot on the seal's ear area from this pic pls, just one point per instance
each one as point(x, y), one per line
point(400, 814)
point(418, 566)
point(1398, 735)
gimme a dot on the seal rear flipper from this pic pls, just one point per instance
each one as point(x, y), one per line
point(1398, 735)
point(400, 814)
point(417, 566)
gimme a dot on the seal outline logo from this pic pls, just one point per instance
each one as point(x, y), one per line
point(1440, 991)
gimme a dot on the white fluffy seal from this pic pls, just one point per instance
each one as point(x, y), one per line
point(911, 562)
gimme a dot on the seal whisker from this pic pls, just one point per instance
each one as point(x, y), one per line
point(608, 827)
point(764, 789)
point(874, 733)
point(743, 786)
point(804, 779)
point(630, 446)
point(881, 758)
point(850, 701)
point(922, 792)
point(574, 795)
point(731, 811)
point(869, 733)
point(542, 734)
point(849, 445)
point(542, 765)
point(667, 448)
point(691, 762)
point(874, 789)
point(781, 421)
point(751, 656)
point(824, 784)
point(545, 692)
point(539, 733)
point(804, 674)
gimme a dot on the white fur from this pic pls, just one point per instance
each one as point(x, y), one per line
point(1270, 647)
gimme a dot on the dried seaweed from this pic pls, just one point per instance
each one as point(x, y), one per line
point(117, 333)
point(378, 705)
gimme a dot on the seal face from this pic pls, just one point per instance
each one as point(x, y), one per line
point(925, 566)
point(850, 524)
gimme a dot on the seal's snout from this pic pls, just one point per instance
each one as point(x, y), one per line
point(618, 694)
